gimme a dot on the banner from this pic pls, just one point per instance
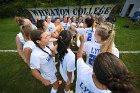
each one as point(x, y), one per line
point(71, 11)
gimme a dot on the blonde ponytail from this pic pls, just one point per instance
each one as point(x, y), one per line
point(107, 33)
point(107, 46)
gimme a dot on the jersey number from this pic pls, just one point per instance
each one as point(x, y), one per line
point(91, 59)
point(89, 37)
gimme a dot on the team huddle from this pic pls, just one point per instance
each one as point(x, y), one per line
point(103, 72)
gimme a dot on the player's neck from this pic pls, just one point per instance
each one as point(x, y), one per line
point(41, 46)
point(49, 22)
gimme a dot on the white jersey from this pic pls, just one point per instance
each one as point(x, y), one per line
point(80, 25)
point(88, 32)
point(21, 38)
point(51, 27)
point(85, 83)
point(65, 25)
point(92, 50)
point(68, 64)
point(29, 44)
point(33, 27)
point(74, 24)
point(44, 63)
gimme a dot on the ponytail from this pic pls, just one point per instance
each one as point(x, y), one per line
point(112, 72)
point(122, 85)
point(107, 46)
point(107, 33)
point(63, 43)
point(62, 49)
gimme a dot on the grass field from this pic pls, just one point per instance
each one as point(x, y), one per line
point(15, 76)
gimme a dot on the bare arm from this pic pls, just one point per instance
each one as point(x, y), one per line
point(38, 76)
point(20, 48)
point(73, 28)
point(69, 74)
point(27, 54)
point(54, 49)
point(80, 50)
point(68, 83)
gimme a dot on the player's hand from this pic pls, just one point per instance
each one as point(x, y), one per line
point(55, 34)
point(46, 82)
point(68, 82)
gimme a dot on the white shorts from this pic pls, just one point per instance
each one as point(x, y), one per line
point(51, 77)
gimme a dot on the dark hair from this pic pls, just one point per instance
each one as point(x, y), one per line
point(98, 13)
point(65, 16)
point(112, 72)
point(72, 18)
point(79, 17)
point(63, 43)
point(21, 22)
point(36, 35)
point(40, 24)
point(57, 18)
point(46, 17)
point(89, 22)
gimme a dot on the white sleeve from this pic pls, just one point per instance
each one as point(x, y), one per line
point(53, 26)
point(116, 52)
point(86, 46)
point(29, 45)
point(71, 65)
point(82, 66)
point(34, 62)
point(81, 31)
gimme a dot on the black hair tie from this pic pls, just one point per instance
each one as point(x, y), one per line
point(110, 31)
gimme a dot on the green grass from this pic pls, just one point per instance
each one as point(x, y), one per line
point(8, 31)
point(15, 76)
point(127, 39)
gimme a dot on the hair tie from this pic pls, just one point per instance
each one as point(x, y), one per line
point(60, 37)
point(110, 31)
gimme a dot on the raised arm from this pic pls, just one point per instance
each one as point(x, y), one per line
point(27, 53)
point(72, 27)
point(80, 50)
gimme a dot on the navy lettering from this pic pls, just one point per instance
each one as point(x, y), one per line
point(108, 9)
point(84, 89)
point(47, 12)
point(35, 12)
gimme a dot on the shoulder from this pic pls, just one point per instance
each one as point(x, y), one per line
point(29, 44)
point(36, 51)
point(47, 50)
point(70, 53)
point(116, 51)
point(87, 45)
point(52, 24)
point(82, 67)
point(62, 22)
